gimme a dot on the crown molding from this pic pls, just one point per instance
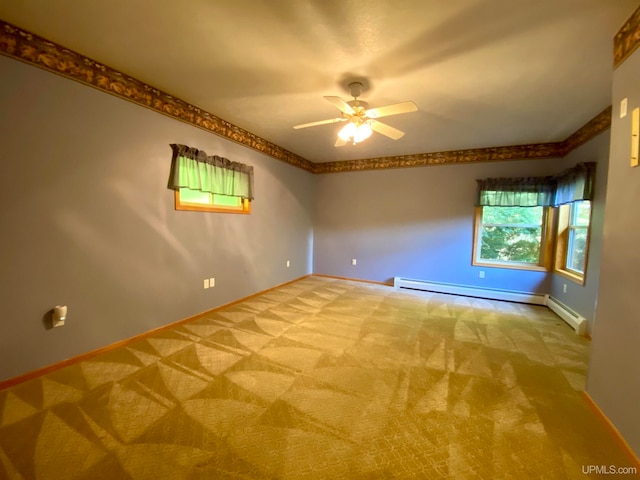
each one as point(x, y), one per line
point(627, 39)
point(30, 48)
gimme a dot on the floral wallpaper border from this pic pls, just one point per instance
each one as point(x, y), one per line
point(627, 39)
point(33, 49)
point(494, 154)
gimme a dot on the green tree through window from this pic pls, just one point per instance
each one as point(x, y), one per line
point(511, 234)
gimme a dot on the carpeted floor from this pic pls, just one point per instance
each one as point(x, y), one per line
point(321, 378)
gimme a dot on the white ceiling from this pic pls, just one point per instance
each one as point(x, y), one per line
point(483, 73)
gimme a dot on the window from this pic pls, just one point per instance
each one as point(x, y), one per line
point(187, 199)
point(209, 183)
point(572, 240)
point(512, 237)
point(515, 218)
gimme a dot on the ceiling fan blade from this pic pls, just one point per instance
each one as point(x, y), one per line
point(386, 130)
point(343, 106)
point(395, 109)
point(321, 122)
point(340, 143)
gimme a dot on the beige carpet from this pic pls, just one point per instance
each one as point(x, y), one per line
point(321, 378)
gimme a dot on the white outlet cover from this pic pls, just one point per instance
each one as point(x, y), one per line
point(623, 107)
point(288, 263)
point(206, 283)
point(212, 282)
point(354, 261)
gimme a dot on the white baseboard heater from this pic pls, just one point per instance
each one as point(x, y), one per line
point(468, 291)
point(576, 321)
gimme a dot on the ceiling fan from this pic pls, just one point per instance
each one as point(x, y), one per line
point(362, 120)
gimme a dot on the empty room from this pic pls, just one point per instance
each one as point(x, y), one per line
point(326, 239)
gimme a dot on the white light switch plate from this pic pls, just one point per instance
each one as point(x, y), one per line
point(623, 107)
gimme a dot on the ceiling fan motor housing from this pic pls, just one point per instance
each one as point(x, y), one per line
point(356, 88)
point(359, 103)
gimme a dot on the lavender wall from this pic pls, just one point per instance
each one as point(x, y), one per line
point(415, 223)
point(87, 220)
point(614, 370)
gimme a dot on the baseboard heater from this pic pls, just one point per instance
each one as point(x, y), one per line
point(468, 291)
point(574, 319)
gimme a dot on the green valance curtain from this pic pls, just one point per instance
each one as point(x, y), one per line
point(516, 192)
point(569, 186)
point(194, 169)
point(575, 184)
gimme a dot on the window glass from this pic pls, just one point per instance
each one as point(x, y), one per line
point(226, 200)
point(511, 234)
point(195, 196)
point(572, 239)
point(580, 213)
point(577, 251)
point(187, 199)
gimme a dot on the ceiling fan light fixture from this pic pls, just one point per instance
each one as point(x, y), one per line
point(355, 133)
point(348, 131)
point(363, 131)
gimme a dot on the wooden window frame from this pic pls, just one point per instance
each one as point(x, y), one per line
point(546, 246)
point(562, 245)
point(244, 209)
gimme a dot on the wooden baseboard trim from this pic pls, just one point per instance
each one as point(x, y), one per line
point(614, 431)
point(352, 279)
point(10, 382)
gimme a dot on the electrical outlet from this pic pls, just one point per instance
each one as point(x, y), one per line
point(288, 263)
point(481, 274)
point(206, 283)
point(354, 261)
point(212, 282)
point(564, 288)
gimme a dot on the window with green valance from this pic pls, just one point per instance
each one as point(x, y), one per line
point(514, 223)
point(209, 182)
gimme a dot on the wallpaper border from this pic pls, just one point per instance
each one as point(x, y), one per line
point(627, 39)
point(30, 48)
